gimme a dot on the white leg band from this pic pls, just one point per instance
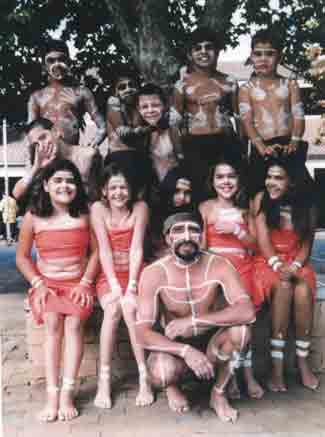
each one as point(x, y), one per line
point(105, 373)
point(302, 348)
point(220, 355)
point(248, 359)
point(277, 354)
point(275, 342)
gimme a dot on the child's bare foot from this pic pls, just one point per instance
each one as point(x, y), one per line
point(233, 389)
point(219, 403)
point(145, 395)
point(254, 389)
point(67, 410)
point(176, 400)
point(103, 396)
point(50, 412)
point(277, 384)
point(309, 380)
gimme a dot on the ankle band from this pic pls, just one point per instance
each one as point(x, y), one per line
point(68, 384)
point(277, 354)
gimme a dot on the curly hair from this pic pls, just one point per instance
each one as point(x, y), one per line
point(40, 202)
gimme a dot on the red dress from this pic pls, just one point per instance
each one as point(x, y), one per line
point(233, 249)
point(286, 245)
point(55, 245)
point(120, 241)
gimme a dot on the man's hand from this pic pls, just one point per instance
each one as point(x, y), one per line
point(199, 363)
point(179, 328)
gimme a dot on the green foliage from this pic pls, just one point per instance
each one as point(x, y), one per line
point(97, 29)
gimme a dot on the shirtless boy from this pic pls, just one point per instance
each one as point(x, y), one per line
point(203, 101)
point(204, 316)
point(63, 102)
point(271, 109)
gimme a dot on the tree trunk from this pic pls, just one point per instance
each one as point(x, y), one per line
point(148, 46)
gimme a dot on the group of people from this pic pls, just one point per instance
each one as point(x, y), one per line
point(176, 231)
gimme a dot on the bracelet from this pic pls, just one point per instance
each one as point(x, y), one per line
point(297, 264)
point(257, 139)
point(34, 280)
point(133, 283)
point(27, 179)
point(294, 138)
point(184, 350)
point(276, 265)
point(86, 280)
point(38, 283)
point(272, 260)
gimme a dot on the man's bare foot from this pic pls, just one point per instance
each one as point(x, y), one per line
point(233, 389)
point(103, 396)
point(219, 403)
point(67, 410)
point(176, 400)
point(50, 412)
point(308, 379)
point(255, 391)
point(145, 395)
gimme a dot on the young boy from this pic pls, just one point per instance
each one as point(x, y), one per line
point(271, 109)
point(203, 101)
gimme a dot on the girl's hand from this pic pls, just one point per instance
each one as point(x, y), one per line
point(285, 272)
point(40, 296)
point(224, 227)
point(81, 295)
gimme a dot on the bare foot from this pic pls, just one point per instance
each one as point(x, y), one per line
point(309, 380)
point(50, 412)
point(233, 389)
point(103, 396)
point(277, 384)
point(176, 400)
point(219, 403)
point(254, 389)
point(145, 395)
point(67, 409)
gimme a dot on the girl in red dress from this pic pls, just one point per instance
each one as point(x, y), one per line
point(120, 223)
point(285, 223)
point(61, 294)
point(229, 231)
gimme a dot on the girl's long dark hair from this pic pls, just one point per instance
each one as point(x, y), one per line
point(39, 200)
point(298, 197)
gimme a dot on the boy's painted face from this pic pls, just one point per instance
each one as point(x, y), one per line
point(204, 54)
point(57, 65)
point(126, 88)
point(277, 182)
point(265, 59)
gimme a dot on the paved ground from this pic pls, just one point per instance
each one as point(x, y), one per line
point(297, 413)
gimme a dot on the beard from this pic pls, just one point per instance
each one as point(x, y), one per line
point(187, 256)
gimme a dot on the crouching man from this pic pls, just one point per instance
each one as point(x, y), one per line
point(204, 314)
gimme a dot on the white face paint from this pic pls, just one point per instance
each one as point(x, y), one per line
point(265, 59)
point(185, 240)
point(57, 65)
